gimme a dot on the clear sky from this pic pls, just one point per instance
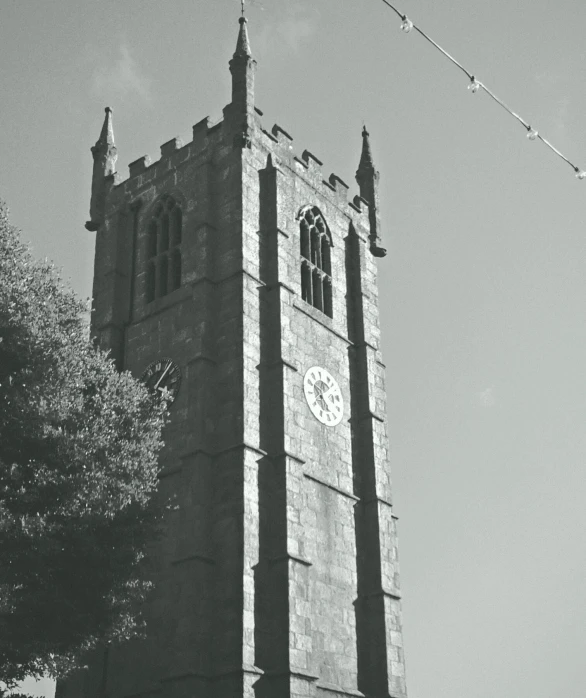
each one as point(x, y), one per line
point(483, 291)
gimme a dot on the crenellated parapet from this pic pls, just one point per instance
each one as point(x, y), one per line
point(173, 154)
point(210, 137)
point(207, 135)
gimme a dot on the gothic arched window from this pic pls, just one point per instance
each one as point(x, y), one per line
point(163, 271)
point(316, 261)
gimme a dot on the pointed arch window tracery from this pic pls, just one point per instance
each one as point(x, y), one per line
point(163, 243)
point(316, 260)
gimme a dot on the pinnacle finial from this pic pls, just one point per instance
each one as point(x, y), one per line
point(366, 161)
point(242, 44)
point(107, 134)
point(367, 178)
point(105, 155)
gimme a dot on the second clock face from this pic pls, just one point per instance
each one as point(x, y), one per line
point(163, 374)
point(323, 396)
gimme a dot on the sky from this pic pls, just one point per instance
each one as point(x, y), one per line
point(483, 292)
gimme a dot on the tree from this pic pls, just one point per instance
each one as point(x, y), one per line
point(79, 445)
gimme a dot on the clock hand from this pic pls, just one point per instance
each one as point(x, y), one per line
point(164, 374)
point(326, 396)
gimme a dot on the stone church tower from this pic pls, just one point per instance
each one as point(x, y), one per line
point(233, 274)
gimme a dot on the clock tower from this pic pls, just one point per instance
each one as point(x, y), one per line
point(234, 274)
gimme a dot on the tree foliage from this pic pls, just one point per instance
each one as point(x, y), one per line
point(79, 445)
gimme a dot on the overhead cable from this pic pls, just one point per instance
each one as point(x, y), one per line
point(475, 85)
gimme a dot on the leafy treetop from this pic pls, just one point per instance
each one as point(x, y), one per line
point(79, 446)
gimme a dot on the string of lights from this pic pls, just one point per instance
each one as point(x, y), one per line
point(475, 85)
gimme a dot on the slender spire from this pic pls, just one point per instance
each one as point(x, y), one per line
point(242, 67)
point(366, 162)
point(104, 151)
point(106, 138)
point(105, 154)
point(367, 178)
point(242, 44)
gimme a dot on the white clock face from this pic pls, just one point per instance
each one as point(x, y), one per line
point(323, 396)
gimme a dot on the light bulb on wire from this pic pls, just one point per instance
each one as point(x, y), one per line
point(580, 174)
point(474, 85)
point(532, 134)
point(407, 24)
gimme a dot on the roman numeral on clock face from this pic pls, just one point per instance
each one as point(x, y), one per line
point(163, 377)
point(323, 396)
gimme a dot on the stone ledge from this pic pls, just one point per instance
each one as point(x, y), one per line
point(214, 454)
point(115, 271)
point(330, 486)
point(245, 669)
point(230, 277)
point(201, 357)
point(186, 675)
point(158, 305)
point(289, 557)
point(287, 454)
point(303, 675)
point(153, 688)
point(306, 311)
point(279, 232)
point(169, 472)
point(382, 592)
point(110, 326)
point(195, 557)
point(376, 500)
point(205, 224)
point(278, 284)
point(332, 688)
point(357, 234)
point(277, 362)
point(364, 344)
point(367, 415)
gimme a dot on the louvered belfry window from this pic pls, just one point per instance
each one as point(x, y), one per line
point(316, 262)
point(163, 273)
